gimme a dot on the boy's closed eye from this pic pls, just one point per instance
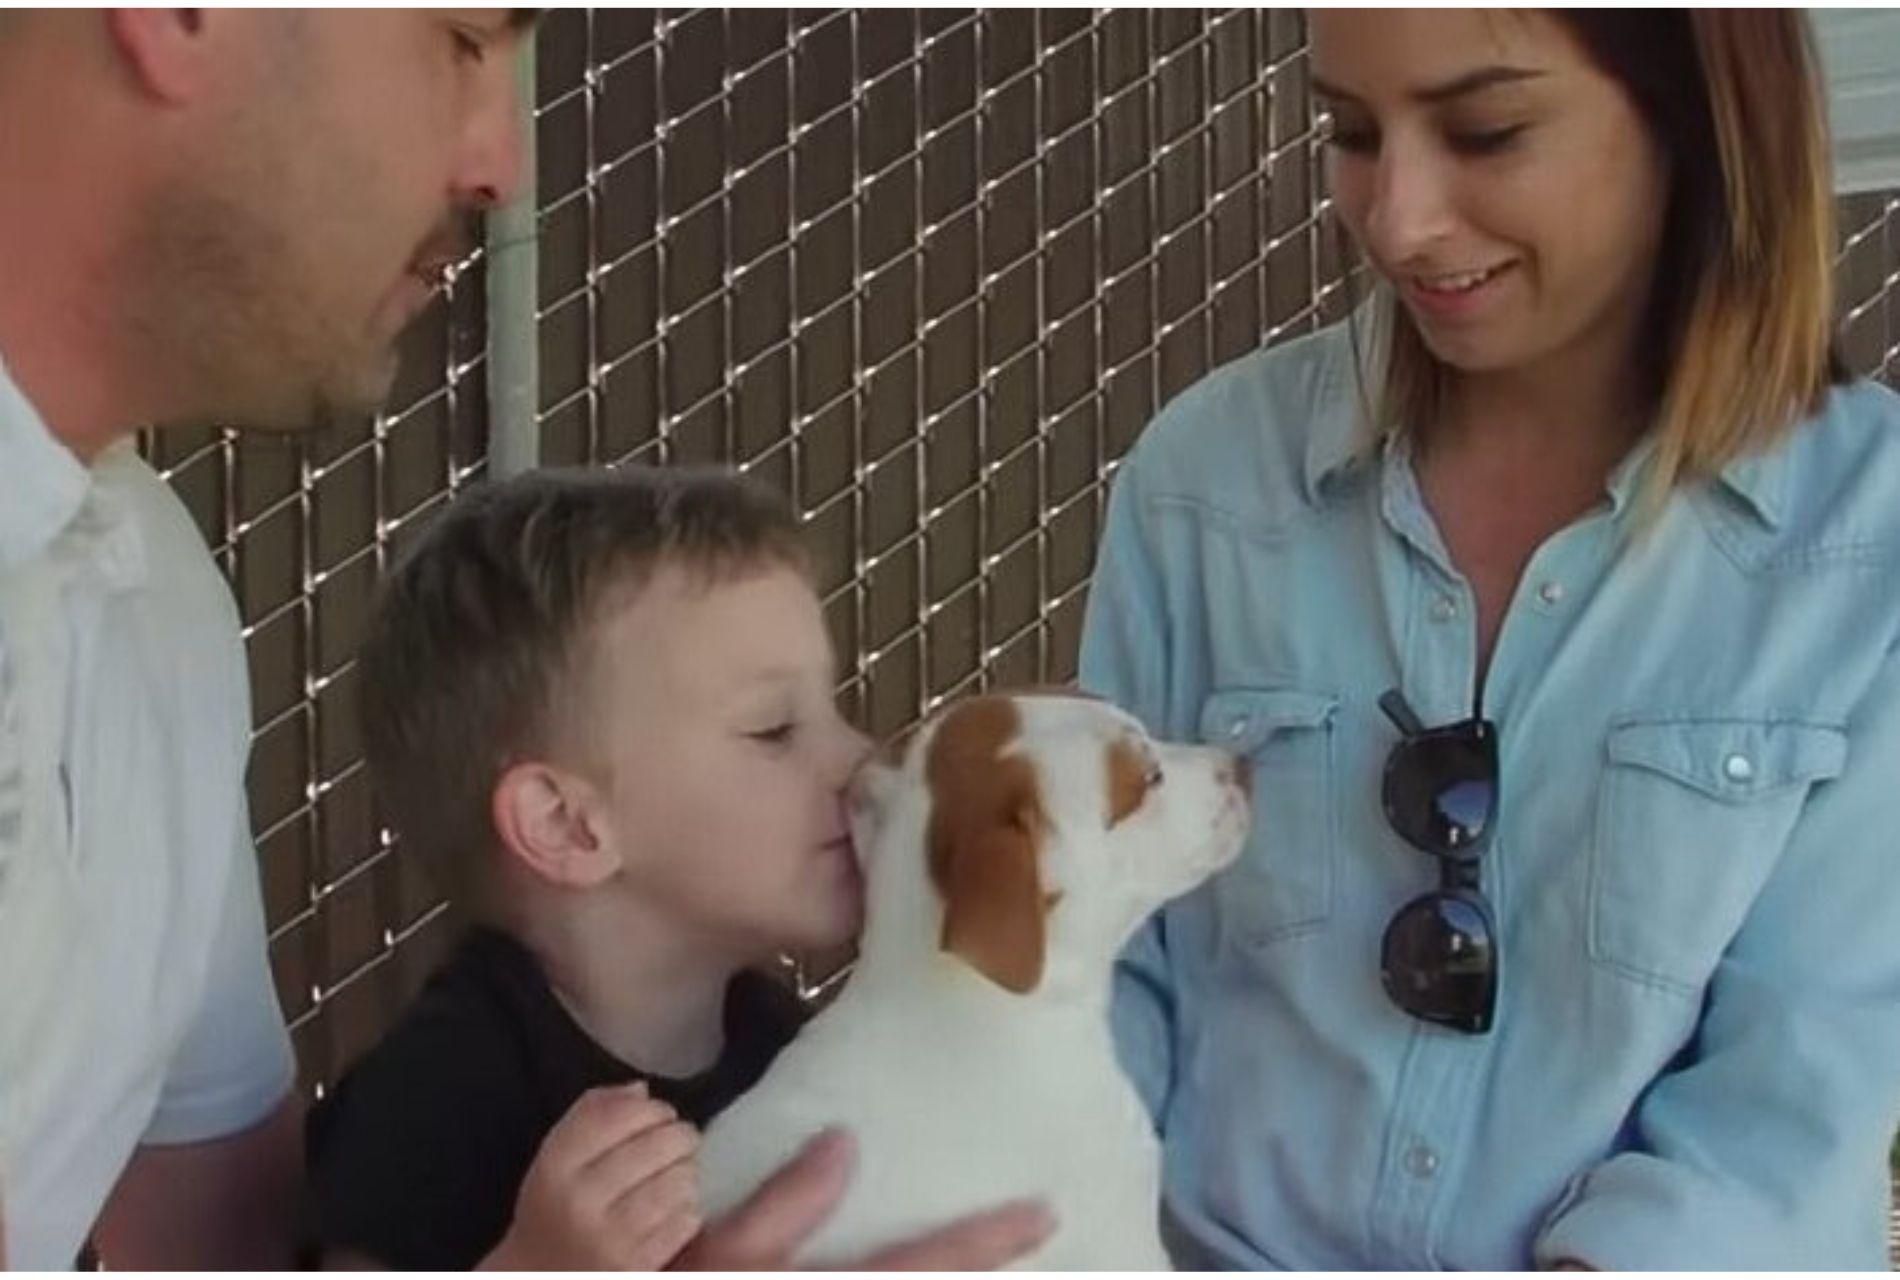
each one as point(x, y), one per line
point(776, 735)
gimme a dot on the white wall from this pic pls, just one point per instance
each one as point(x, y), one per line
point(1860, 52)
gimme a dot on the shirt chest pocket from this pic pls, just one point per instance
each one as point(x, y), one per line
point(1282, 884)
point(1692, 816)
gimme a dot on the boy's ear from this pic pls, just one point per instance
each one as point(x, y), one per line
point(552, 822)
point(171, 54)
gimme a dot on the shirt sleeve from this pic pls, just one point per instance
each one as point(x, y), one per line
point(1123, 658)
point(1768, 1145)
point(234, 1065)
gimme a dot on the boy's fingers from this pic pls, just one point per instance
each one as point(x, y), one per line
point(600, 1120)
point(766, 1230)
point(643, 1209)
point(626, 1169)
point(981, 1242)
point(666, 1242)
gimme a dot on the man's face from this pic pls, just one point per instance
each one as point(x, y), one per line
point(337, 178)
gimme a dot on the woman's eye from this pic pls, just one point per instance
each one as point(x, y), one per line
point(777, 736)
point(1483, 142)
point(1355, 141)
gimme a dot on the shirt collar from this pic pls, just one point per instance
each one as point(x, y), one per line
point(42, 485)
point(1758, 481)
point(1341, 435)
point(1761, 481)
point(56, 509)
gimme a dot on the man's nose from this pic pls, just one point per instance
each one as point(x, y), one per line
point(493, 156)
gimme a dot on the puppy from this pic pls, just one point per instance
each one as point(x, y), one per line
point(1010, 850)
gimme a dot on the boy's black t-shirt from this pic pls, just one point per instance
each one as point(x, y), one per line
point(416, 1157)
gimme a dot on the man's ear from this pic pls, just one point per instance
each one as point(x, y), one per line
point(170, 54)
point(554, 823)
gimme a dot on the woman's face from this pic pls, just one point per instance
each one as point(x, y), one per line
point(1507, 189)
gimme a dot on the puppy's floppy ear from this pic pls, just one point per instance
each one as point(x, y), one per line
point(994, 910)
point(986, 832)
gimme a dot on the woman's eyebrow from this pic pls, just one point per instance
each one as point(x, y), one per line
point(1470, 82)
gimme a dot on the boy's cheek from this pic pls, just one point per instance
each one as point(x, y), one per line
point(834, 905)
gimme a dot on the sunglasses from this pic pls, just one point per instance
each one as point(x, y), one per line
point(1439, 957)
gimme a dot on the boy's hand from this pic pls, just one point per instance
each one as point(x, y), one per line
point(763, 1233)
point(614, 1187)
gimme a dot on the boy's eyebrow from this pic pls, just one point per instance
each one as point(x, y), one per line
point(1470, 82)
point(781, 673)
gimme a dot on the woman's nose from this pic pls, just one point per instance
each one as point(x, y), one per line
point(1410, 209)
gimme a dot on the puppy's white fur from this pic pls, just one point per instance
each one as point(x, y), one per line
point(1009, 855)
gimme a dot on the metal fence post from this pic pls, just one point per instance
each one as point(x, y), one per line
point(514, 367)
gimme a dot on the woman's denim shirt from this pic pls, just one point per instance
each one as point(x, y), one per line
point(1695, 866)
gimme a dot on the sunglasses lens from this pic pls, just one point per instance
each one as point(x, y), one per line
point(1464, 807)
point(1441, 788)
point(1439, 960)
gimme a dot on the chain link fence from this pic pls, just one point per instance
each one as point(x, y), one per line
point(928, 272)
point(303, 527)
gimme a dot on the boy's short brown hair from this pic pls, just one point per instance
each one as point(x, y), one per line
point(481, 630)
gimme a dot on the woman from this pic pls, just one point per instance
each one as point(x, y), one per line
point(1555, 601)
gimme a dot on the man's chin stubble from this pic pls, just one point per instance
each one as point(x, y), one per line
point(321, 411)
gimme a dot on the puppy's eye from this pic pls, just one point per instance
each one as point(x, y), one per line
point(1155, 777)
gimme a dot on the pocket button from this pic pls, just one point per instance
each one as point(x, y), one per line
point(1421, 1161)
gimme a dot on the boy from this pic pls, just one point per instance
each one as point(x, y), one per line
point(599, 704)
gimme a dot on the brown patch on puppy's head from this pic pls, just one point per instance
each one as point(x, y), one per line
point(986, 830)
point(1129, 778)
